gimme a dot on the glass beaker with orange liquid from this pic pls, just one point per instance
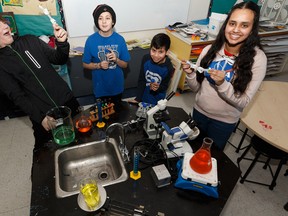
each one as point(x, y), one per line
point(84, 124)
point(201, 161)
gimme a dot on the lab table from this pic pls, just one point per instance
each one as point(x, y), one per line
point(131, 194)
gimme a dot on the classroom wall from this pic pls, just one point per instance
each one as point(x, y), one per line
point(132, 15)
point(197, 10)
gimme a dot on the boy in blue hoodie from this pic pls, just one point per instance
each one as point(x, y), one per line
point(155, 73)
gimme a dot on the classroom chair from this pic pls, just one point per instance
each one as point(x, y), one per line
point(244, 133)
point(263, 148)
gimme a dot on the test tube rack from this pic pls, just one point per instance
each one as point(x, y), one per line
point(107, 109)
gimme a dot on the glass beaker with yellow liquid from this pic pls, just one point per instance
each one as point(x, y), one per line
point(89, 189)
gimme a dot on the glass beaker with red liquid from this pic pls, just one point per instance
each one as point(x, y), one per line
point(201, 161)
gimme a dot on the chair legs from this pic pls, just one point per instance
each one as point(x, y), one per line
point(273, 183)
point(266, 164)
point(244, 153)
point(238, 148)
point(236, 126)
point(286, 206)
point(241, 141)
point(250, 168)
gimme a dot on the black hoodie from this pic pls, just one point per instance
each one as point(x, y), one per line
point(28, 78)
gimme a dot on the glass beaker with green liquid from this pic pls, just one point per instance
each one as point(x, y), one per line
point(61, 124)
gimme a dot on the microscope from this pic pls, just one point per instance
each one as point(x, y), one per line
point(174, 139)
point(155, 116)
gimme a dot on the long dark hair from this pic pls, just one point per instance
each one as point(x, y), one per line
point(245, 59)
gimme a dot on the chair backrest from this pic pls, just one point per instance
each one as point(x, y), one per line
point(173, 84)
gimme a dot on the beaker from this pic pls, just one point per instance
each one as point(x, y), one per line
point(61, 124)
point(201, 161)
point(89, 189)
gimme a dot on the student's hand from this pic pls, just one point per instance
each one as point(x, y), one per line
point(48, 124)
point(60, 33)
point(154, 86)
point(218, 76)
point(133, 101)
point(104, 65)
point(111, 56)
point(186, 67)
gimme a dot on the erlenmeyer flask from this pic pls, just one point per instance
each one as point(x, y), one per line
point(201, 161)
point(84, 124)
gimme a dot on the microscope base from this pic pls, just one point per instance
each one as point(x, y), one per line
point(152, 134)
point(179, 152)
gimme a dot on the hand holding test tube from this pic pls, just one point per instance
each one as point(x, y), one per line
point(46, 12)
point(195, 67)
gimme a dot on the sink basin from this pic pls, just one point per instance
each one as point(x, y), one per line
point(100, 160)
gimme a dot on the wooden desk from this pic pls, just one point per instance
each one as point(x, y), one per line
point(269, 107)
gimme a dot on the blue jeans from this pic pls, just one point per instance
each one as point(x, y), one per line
point(219, 131)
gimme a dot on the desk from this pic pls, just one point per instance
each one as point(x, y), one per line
point(269, 105)
point(168, 200)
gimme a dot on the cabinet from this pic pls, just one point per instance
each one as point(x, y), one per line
point(275, 45)
point(276, 51)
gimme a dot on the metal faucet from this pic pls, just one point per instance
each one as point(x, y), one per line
point(122, 147)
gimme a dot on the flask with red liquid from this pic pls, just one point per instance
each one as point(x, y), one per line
point(201, 161)
point(84, 124)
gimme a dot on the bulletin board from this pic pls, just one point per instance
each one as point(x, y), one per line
point(29, 18)
point(132, 15)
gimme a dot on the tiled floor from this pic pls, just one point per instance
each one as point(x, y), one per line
point(16, 159)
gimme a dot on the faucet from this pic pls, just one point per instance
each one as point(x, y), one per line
point(122, 147)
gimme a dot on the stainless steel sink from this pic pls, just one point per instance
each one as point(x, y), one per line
point(100, 160)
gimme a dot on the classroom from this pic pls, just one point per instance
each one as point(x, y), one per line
point(143, 107)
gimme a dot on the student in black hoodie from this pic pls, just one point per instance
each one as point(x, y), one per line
point(30, 81)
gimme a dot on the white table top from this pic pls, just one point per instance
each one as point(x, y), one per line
point(267, 114)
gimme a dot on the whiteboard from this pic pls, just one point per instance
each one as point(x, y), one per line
point(131, 15)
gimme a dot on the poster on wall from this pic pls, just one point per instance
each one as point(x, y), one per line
point(30, 19)
point(29, 7)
